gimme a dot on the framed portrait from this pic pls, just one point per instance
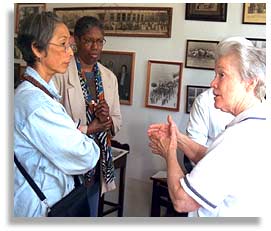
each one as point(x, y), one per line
point(124, 21)
point(206, 11)
point(258, 42)
point(254, 13)
point(25, 9)
point(163, 85)
point(122, 64)
point(192, 91)
point(200, 54)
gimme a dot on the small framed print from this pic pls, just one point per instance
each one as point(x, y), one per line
point(25, 9)
point(163, 85)
point(121, 63)
point(192, 92)
point(200, 54)
point(257, 42)
point(254, 13)
point(206, 11)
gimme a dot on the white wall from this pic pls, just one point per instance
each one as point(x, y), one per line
point(136, 118)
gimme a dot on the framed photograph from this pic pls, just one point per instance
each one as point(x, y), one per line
point(258, 42)
point(124, 21)
point(206, 11)
point(163, 85)
point(254, 13)
point(200, 54)
point(192, 92)
point(25, 9)
point(17, 52)
point(122, 64)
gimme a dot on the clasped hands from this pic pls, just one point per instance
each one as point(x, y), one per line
point(103, 121)
point(163, 138)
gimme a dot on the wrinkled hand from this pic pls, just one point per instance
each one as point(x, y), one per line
point(97, 126)
point(102, 111)
point(163, 138)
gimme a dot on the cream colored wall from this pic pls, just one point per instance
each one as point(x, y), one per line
point(136, 118)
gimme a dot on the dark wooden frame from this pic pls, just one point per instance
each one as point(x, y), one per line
point(255, 40)
point(256, 19)
point(124, 18)
point(120, 58)
point(19, 6)
point(160, 81)
point(195, 59)
point(190, 98)
point(220, 15)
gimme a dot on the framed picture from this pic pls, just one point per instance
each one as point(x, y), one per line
point(254, 13)
point(200, 54)
point(17, 52)
point(206, 11)
point(163, 85)
point(122, 64)
point(124, 21)
point(25, 9)
point(257, 42)
point(192, 92)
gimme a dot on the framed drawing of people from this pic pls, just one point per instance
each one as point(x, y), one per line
point(124, 21)
point(254, 13)
point(122, 64)
point(200, 54)
point(25, 9)
point(163, 85)
point(258, 42)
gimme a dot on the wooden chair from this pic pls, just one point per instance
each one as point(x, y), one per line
point(119, 163)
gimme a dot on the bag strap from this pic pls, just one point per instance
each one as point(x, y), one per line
point(31, 181)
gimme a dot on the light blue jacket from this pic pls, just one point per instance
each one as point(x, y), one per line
point(48, 145)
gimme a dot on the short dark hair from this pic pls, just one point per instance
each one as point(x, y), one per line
point(38, 30)
point(85, 23)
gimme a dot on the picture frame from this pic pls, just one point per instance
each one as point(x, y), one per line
point(200, 54)
point(163, 87)
point(254, 13)
point(17, 52)
point(124, 21)
point(192, 91)
point(122, 64)
point(206, 11)
point(258, 42)
point(25, 9)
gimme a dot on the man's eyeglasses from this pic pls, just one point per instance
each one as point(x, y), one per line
point(66, 46)
point(90, 42)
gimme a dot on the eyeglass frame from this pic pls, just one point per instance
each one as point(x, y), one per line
point(90, 42)
point(66, 47)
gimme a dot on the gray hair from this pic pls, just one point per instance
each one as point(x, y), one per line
point(251, 61)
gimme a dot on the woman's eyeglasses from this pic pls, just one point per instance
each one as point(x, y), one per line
point(90, 42)
point(66, 46)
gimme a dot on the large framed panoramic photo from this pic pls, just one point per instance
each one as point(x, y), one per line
point(206, 11)
point(124, 21)
point(200, 54)
point(254, 13)
point(121, 63)
point(163, 85)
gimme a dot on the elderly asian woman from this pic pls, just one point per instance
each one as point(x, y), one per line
point(46, 141)
point(223, 181)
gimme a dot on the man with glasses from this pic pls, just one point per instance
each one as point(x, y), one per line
point(90, 94)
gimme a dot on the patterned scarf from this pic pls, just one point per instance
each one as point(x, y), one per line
point(102, 138)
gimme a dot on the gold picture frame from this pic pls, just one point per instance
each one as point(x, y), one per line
point(254, 13)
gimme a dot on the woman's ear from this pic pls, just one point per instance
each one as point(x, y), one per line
point(251, 84)
point(36, 51)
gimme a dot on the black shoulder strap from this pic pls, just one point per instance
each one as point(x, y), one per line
point(29, 179)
